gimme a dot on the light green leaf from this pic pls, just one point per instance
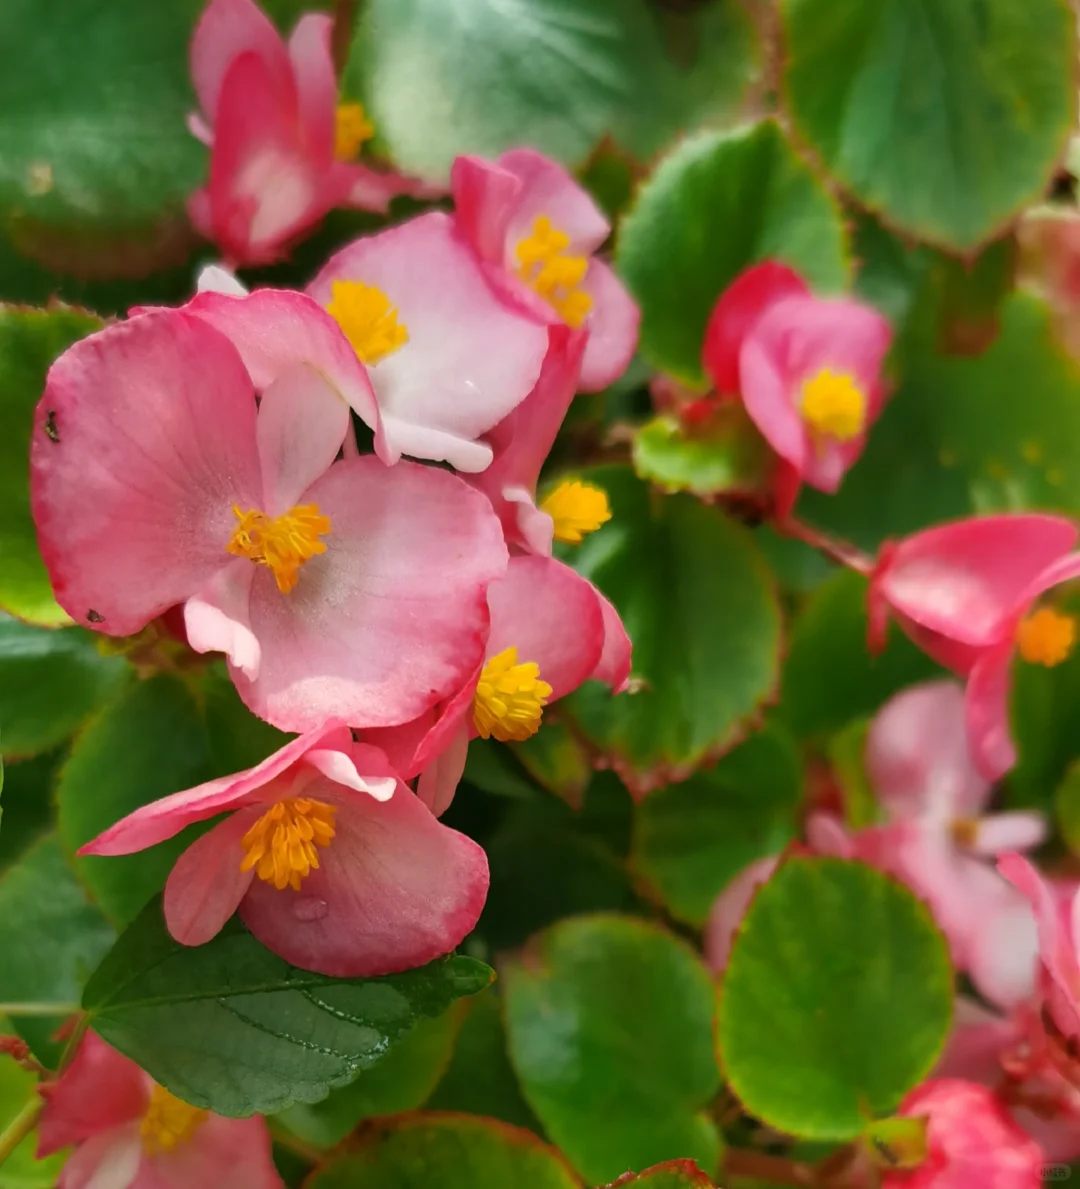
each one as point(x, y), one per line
point(20, 1170)
point(727, 455)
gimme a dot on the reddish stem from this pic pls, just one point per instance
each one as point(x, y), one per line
point(840, 551)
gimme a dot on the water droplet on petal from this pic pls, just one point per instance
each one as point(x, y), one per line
point(309, 908)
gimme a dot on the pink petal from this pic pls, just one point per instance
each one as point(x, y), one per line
point(227, 29)
point(394, 889)
point(917, 755)
point(206, 884)
point(215, 278)
point(391, 618)
point(613, 667)
point(316, 83)
point(133, 504)
point(199, 128)
point(547, 189)
point(469, 359)
point(222, 1154)
point(485, 195)
point(730, 907)
point(965, 580)
point(987, 707)
point(613, 328)
point(737, 312)
point(439, 780)
point(1003, 950)
point(162, 819)
point(99, 1091)
point(216, 619)
point(373, 189)
point(109, 1160)
point(1000, 832)
point(402, 743)
point(1064, 569)
point(373, 775)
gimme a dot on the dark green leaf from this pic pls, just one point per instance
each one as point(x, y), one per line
point(673, 1174)
point(558, 760)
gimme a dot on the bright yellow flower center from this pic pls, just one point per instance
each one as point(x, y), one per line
point(168, 1122)
point(545, 266)
point(509, 701)
point(368, 319)
point(577, 509)
point(283, 543)
point(282, 846)
point(834, 405)
point(352, 130)
point(1046, 638)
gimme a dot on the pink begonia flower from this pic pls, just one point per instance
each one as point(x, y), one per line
point(550, 631)
point(333, 862)
point(972, 1142)
point(807, 369)
point(334, 588)
point(446, 356)
point(130, 1133)
point(966, 594)
point(730, 907)
point(537, 230)
point(283, 151)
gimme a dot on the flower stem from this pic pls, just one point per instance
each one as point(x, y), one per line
point(840, 551)
point(20, 1127)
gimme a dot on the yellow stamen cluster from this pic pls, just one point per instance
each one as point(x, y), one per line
point(576, 509)
point(168, 1122)
point(352, 130)
point(1046, 638)
point(545, 266)
point(283, 543)
point(834, 405)
point(282, 846)
point(510, 698)
point(368, 319)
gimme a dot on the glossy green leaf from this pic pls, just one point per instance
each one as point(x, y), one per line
point(146, 743)
point(691, 839)
point(50, 681)
point(673, 1174)
point(557, 759)
point(29, 341)
point(699, 605)
point(610, 1023)
point(231, 1027)
point(717, 204)
point(836, 1001)
point(446, 1151)
point(20, 1170)
point(558, 75)
point(237, 739)
point(727, 455)
point(973, 98)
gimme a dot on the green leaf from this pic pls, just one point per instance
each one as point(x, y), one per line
point(975, 98)
point(20, 1170)
point(435, 1151)
point(699, 605)
point(830, 676)
point(444, 77)
point(836, 1001)
point(26, 807)
point(29, 341)
point(401, 1081)
point(726, 455)
point(49, 682)
point(557, 759)
point(237, 738)
point(610, 1023)
point(691, 839)
point(717, 204)
point(146, 743)
point(1067, 809)
point(231, 1027)
point(673, 1174)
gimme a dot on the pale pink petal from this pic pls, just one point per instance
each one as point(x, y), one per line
point(1064, 569)
point(227, 29)
point(965, 580)
point(373, 189)
point(730, 907)
point(216, 619)
point(99, 1091)
point(275, 329)
point(1003, 950)
point(402, 743)
point(987, 707)
point(109, 1160)
point(162, 819)
point(978, 1040)
point(394, 890)
point(316, 83)
point(548, 190)
point(1000, 832)
point(206, 884)
point(439, 780)
point(613, 667)
point(215, 278)
point(736, 313)
point(613, 328)
point(391, 618)
point(222, 1154)
point(134, 503)
point(451, 719)
point(485, 195)
point(199, 128)
point(525, 524)
point(469, 359)
point(826, 835)
point(341, 767)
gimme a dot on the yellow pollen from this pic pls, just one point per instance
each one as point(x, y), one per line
point(283, 543)
point(549, 271)
point(510, 698)
point(168, 1122)
point(282, 846)
point(353, 129)
point(834, 405)
point(577, 509)
point(368, 319)
point(1046, 638)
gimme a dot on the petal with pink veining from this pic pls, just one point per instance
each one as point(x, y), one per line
point(485, 195)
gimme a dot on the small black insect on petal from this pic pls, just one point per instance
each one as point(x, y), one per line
point(51, 432)
point(95, 616)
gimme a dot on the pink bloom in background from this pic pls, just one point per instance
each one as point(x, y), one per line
point(446, 356)
point(283, 151)
point(345, 589)
point(333, 862)
point(967, 594)
point(972, 1141)
point(130, 1133)
point(537, 230)
point(730, 907)
point(808, 370)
